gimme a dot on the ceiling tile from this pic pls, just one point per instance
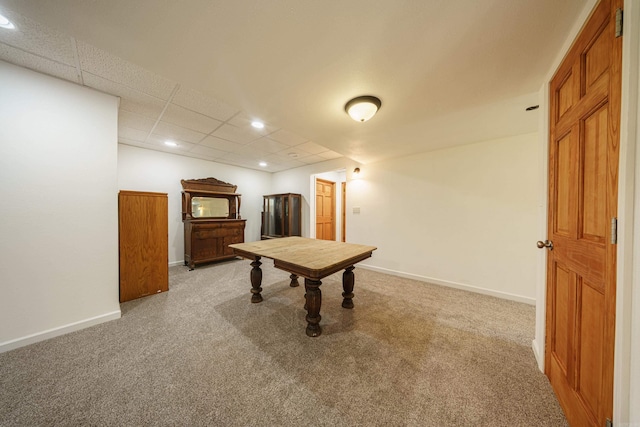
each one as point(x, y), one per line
point(200, 103)
point(250, 153)
point(132, 134)
point(287, 137)
point(37, 63)
point(309, 160)
point(151, 111)
point(133, 143)
point(236, 134)
point(239, 159)
point(135, 121)
point(311, 148)
point(282, 161)
point(158, 142)
point(220, 144)
point(30, 36)
point(267, 145)
point(188, 119)
point(328, 155)
point(101, 63)
point(243, 120)
point(166, 131)
point(207, 152)
point(292, 153)
point(132, 100)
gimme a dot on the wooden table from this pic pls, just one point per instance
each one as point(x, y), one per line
point(309, 258)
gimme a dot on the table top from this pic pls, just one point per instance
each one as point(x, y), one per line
point(310, 258)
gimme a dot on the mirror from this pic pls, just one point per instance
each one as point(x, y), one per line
point(209, 207)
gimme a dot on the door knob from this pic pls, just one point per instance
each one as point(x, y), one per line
point(546, 244)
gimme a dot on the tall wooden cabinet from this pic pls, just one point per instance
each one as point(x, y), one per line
point(281, 215)
point(144, 246)
point(211, 217)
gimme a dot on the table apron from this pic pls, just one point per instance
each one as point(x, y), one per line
point(318, 274)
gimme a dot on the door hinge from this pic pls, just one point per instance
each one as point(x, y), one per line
point(609, 423)
point(619, 23)
point(614, 231)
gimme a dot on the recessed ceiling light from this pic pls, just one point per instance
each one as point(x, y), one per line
point(258, 125)
point(170, 143)
point(263, 164)
point(5, 23)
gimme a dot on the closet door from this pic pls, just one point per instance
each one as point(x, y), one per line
point(144, 247)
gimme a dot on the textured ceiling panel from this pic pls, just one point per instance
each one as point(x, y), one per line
point(186, 118)
point(207, 152)
point(37, 63)
point(37, 39)
point(133, 143)
point(132, 134)
point(287, 137)
point(196, 101)
point(311, 159)
point(132, 100)
point(149, 110)
point(159, 141)
point(135, 121)
point(244, 120)
point(170, 131)
point(235, 134)
point(328, 155)
point(311, 147)
point(267, 145)
point(220, 144)
point(101, 63)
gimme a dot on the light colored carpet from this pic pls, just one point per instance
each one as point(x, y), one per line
point(408, 354)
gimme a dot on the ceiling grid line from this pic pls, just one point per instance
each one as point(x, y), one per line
point(173, 93)
point(76, 56)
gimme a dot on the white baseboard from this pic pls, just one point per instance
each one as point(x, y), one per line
point(174, 263)
point(465, 287)
point(536, 353)
point(55, 332)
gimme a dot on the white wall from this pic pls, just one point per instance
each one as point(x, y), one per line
point(145, 170)
point(462, 217)
point(58, 215)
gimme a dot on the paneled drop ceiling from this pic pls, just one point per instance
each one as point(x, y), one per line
point(199, 72)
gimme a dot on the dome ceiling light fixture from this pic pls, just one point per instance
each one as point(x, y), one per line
point(362, 108)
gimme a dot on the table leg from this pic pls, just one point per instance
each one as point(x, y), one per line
point(347, 285)
point(256, 280)
point(294, 281)
point(313, 301)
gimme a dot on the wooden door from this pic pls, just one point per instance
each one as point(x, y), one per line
point(583, 183)
point(325, 210)
point(144, 246)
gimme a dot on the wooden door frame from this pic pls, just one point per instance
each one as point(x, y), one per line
point(315, 216)
point(628, 196)
point(343, 211)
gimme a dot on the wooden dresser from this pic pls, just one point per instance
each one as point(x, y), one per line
point(143, 241)
point(211, 217)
